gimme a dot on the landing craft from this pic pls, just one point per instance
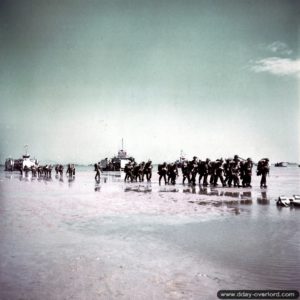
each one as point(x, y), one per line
point(281, 164)
point(17, 164)
point(116, 163)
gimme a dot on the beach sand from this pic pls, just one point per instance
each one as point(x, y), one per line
point(75, 239)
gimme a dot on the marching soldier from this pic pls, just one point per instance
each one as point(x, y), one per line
point(248, 165)
point(263, 169)
point(219, 172)
point(193, 169)
point(185, 172)
point(162, 172)
point(98, 170)
point(172, 173)
point(128, 171)
point(148, 170)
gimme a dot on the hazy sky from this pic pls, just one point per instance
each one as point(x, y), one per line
point(213, 78)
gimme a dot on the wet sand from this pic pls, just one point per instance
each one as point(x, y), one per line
point(74, 239)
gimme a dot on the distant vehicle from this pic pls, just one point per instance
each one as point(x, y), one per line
point(281, 164)
point(116, 163)
point(17, 164)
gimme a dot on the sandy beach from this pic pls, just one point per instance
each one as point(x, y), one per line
point(74, 239)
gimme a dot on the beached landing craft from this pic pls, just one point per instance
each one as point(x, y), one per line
point(17, 164)
point(116, 163)
point(281, 164)
point(286, 201)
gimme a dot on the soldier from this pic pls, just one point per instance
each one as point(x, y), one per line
point(56, 169)
point(136, 171)
point(185, 172)
point(141, 171)
point(47, 170)
point(71, 170)
point(227, 171)
point(33, 170)
point(263, 169)
point(162, 172)
point(235, 170)
point(219, 172)
point(172, 173)
point(242, 172)
point(98, 170)
point(61, 170)
point(148, 170)
point(201, 170)
point(212, 172)
point(40, 171)
point(206, 171)
point(248, 165)
point(128, 171)
point(193, 169)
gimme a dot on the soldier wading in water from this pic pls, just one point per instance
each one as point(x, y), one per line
point(98, 170)
point(162, 172)
point(263, 169)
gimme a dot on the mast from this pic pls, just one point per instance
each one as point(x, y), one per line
point(122, 144)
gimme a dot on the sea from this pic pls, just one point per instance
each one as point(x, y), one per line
point(73, 238)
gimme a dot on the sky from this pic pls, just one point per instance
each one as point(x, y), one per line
point(211, 78)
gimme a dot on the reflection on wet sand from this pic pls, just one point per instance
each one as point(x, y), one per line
point(71, 181)
point(168, 190)
point(263, 200)
point(246, 195)
point(139, 189)
point(218, 194)
point(191, 190)
point(246, 201)
point(97, 186)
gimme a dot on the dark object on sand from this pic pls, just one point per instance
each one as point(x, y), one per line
point(281, 164)
point(285, 201)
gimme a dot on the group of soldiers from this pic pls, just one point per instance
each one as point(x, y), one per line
point(59, 169)
point(137, 172)
point(46, 170)
point(235, 172)
point(37, 171)
point(133, 171)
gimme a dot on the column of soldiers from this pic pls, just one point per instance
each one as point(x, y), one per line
point(38, 171)
point(46, 170)
point(235, 172)
point(138, 172)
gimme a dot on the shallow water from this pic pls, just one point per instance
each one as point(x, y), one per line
point(75, 239)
